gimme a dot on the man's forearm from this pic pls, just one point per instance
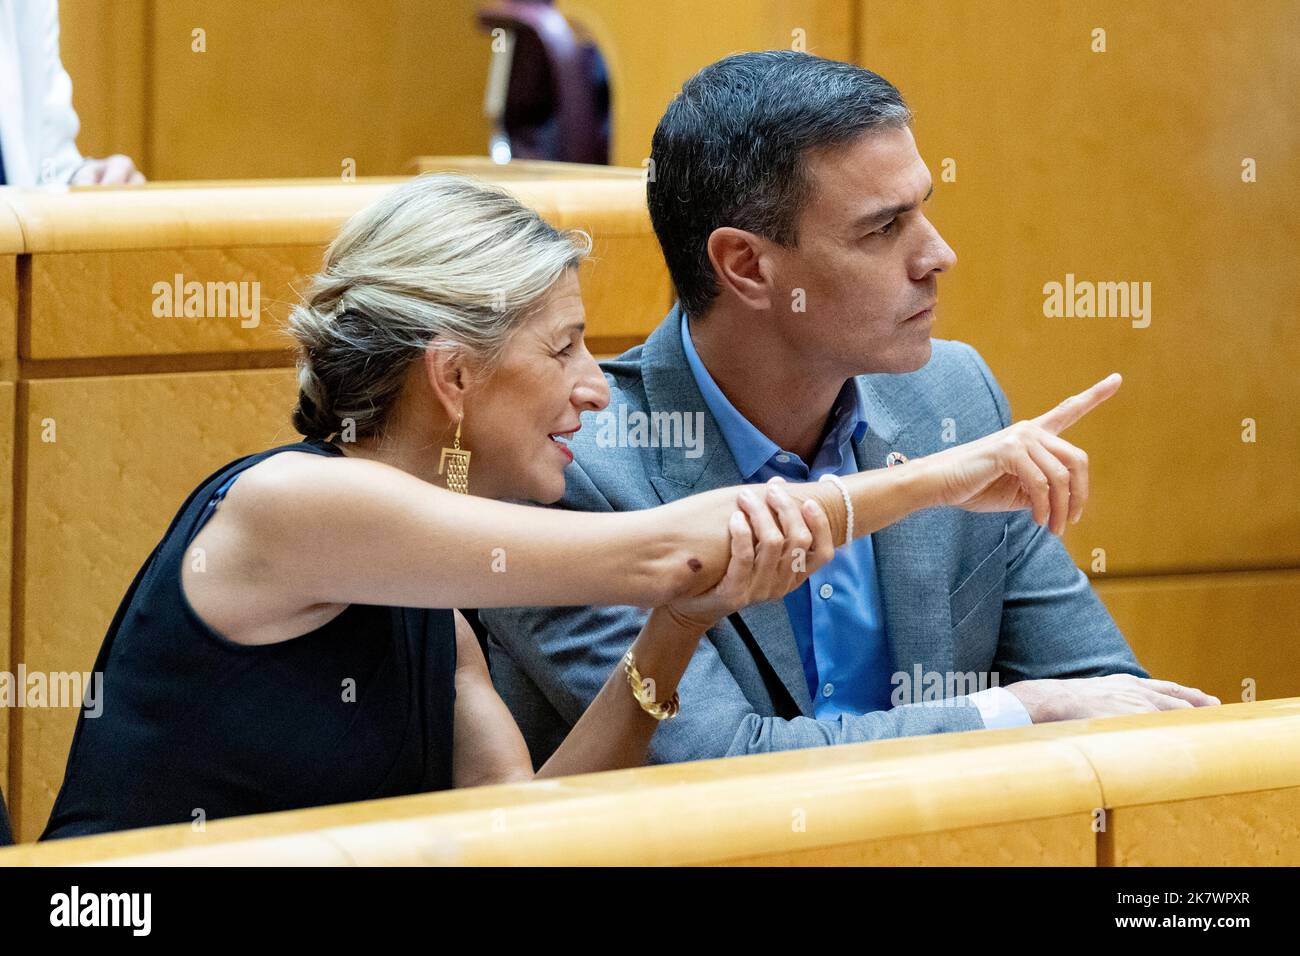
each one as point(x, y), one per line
point(758, 734)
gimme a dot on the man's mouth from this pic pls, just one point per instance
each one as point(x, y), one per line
point(925, 313)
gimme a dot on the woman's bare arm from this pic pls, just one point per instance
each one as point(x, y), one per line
point(774, 542)
point(487, 746)
point(614, 732)
point(299, 532)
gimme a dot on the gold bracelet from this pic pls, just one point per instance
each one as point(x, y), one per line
point(643, 691)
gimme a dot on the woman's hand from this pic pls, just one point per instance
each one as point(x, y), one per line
point(775, 544)
point(1027, 465)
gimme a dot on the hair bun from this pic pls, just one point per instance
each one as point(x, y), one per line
point(310, 415)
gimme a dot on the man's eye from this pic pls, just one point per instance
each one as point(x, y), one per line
point(886, 229)
point(564, 351)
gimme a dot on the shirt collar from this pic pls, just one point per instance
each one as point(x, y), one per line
point(750, 447)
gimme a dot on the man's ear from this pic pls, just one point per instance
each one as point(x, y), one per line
point(449, 379)
point(741, 265)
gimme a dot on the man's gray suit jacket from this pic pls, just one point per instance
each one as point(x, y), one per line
point(964, 594)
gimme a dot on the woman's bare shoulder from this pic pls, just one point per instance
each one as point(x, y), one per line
point(298, 476)
point(243, 590)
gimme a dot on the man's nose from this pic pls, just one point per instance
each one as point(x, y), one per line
point(935, 255)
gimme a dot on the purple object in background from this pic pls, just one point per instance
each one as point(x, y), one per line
point(548, 91)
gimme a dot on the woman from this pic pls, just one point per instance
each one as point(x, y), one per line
point(289, 643)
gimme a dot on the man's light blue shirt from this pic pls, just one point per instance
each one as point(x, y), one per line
point(837, 615)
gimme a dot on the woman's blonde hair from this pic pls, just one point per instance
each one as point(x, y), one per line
point(442, 261)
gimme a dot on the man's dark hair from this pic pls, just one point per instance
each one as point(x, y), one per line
point(729, 151)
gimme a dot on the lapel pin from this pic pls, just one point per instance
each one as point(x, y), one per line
point(895, 458)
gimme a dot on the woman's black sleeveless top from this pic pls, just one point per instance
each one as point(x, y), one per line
point(194, 726)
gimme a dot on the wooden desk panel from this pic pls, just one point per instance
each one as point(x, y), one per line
point(11, 243)
point(1195, 753)
point(299, 86)
point(484, 167)
point(12, 239)
point(1228, 634)
point(269, 213)
point(127, 451)
point(7, 663)
point(1212, 793)
point(1050, 841)
point(186, 216)
point(1024, 795)
point(746, 809)
point(104, 266)
point(104, 304)
point(1239, 829)
point(1061, 166)
point(8, 318)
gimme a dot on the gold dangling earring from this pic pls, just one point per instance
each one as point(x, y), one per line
point(455, 460)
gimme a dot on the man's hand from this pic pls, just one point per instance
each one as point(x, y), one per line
point(116, 170)
point(1048, 700)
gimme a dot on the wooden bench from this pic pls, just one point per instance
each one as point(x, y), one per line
point(1216, 786)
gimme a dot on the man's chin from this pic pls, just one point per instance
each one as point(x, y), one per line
point(900, 361)
point(919, 356)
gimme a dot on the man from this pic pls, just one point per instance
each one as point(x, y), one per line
point(787, 196)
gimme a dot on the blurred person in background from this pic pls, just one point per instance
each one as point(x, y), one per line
point(38, 126)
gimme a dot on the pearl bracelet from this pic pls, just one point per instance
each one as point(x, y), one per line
point(848, 504)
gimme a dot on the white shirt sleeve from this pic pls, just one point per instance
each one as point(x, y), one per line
point(56, 122)
point(999, 707)
point(38, 125)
